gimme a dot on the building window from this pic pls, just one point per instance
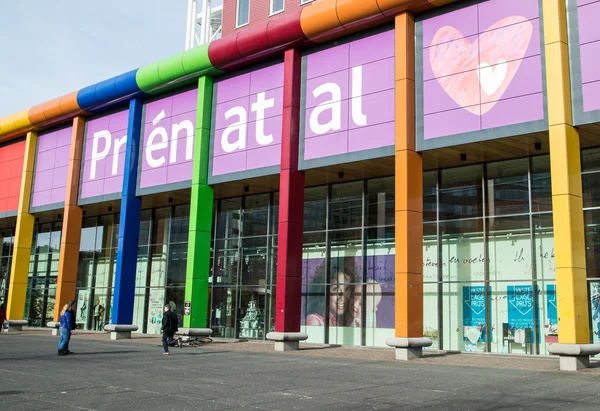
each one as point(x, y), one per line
point(243, 13)
point(277, 6)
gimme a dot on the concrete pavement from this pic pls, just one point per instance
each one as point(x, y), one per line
point(133, 375)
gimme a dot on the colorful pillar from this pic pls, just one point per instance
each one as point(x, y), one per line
point(19, 273)
point(72, 220)
point(129, 228)
point(567, 203)
point(291, 215)
point(409, 203)
point(201, 211)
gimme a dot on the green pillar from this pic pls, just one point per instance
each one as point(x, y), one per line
point(201, 210)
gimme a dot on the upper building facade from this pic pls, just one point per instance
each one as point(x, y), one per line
point(239, 14)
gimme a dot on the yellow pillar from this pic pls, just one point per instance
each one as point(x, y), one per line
point(19, 271)
point(409, 202)
point(567, 204)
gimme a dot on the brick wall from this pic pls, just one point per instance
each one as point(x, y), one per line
point(259, 12)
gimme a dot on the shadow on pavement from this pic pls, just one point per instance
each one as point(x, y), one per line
point(440, 354)
point(11, 393)
point(324, 347)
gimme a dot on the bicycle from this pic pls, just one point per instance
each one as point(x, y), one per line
point(193, 341)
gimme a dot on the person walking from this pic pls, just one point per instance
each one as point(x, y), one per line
point(2, 316)
point(65, 330)
point(169, 328)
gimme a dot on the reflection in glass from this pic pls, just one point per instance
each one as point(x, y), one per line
point(227, 263)
point(43, 271)
point(545, 265)
point(255, 215)
point(346, 205)
point(315, 208)
point(254, 261)
point(461, 194)
point(507, 187)
point(430, 207)
point(463, 253)
point(224, 306)
point(592, 242)
point(380, 201)
point(509, 249)
point(228, 218)
point(6, 249)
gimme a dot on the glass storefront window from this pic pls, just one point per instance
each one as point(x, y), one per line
point(509, 249)
point(430, 207)
point(43, 272)
point(592, 242)
point(543, 234)
point(95, 275)
point(515, 321)
point(465, 318)
point(6, 248)
point(228, 218)
point(254, 261)
point(541, 185)
point(315, 208)
point(380, 201)
point(461, 193)
point(496, 290)
point(255, 215)
point(314, 284)
point(375, 312)
point(507, 187)
point(346, 205)
point(463, 250)
point(244, 265)
point(177, 264)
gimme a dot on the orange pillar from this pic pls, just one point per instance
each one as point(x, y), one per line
point(409, 203)
point(71, 229)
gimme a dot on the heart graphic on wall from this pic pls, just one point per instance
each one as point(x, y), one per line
point(476, 74)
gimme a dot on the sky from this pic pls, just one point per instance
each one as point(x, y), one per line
point(52, 48)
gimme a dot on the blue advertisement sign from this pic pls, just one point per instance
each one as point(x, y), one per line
point(551, 304)
point(474, 313)
point(521, 314)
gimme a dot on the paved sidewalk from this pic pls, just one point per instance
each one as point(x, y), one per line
point(133, 375)
point(503, 361)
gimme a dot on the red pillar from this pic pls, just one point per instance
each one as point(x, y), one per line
point(291, 204)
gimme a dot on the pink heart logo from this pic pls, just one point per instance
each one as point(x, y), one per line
point(475, 75)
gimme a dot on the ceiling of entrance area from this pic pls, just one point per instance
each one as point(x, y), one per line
point(380, 167)
point(96, 209)
point(166, 199)
point(502, 149)
point(249, 186)
point(9, 222)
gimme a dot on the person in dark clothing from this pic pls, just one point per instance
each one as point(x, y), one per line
point(169, 328)
point(2, 316)
point(73, 314)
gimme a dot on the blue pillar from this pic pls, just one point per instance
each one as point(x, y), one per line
point(129, 226)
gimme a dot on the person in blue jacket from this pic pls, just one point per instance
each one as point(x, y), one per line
point(65, 330)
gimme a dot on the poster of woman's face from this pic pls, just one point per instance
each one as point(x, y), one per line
point(345, 287)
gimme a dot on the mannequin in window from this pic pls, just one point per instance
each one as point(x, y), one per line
point(96, 314)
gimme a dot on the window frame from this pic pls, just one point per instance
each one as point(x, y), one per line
point(272, 12)
point(237, 15)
